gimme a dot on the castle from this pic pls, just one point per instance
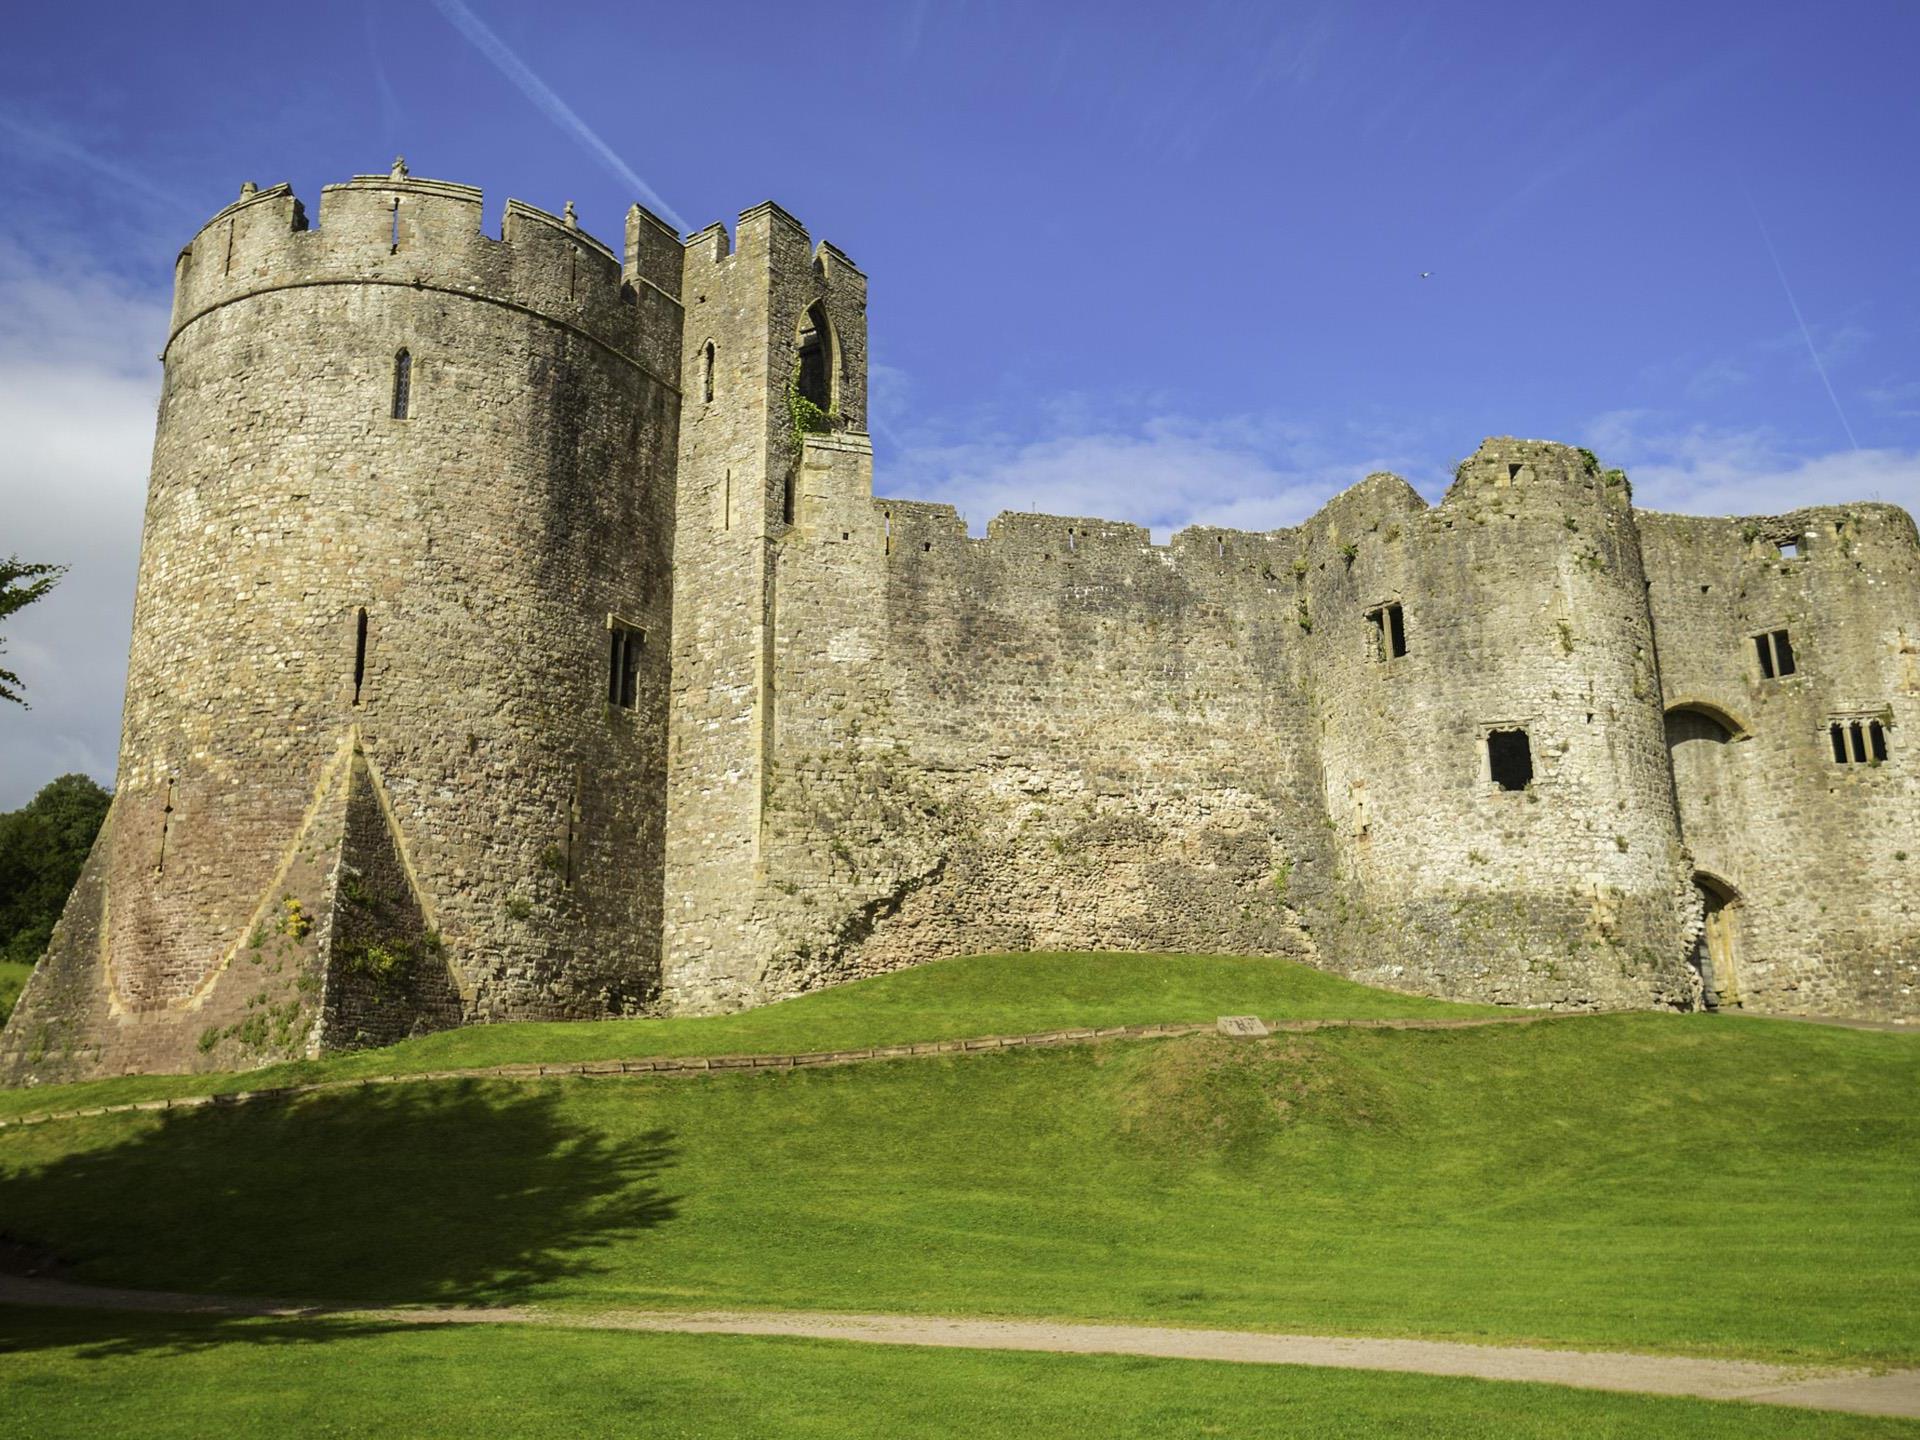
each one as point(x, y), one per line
point(518, 637)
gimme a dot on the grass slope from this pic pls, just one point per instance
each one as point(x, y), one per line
point(1703, 1184)
point(951, 999)
point(81, 1376)
point(13, 979)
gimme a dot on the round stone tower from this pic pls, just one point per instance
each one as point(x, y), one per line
point(1492, 746)
point(393, 749)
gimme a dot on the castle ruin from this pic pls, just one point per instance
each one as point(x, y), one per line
point(518, 636)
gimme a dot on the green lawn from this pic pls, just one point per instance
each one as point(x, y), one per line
point(110, 1376)
point(1681, 1183)
point(951, 999)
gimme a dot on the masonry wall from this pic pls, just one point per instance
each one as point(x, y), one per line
point(1524, 605)
point(1063, 736)
point(1821, 857)
point(740, 459)
point(488, 536)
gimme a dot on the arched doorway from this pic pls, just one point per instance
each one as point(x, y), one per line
point(1715, 955)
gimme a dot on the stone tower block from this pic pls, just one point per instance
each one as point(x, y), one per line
point(771, 321)
point(411, 490)
point(1500, 795)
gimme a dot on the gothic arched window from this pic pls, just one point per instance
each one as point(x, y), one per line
point(402, 384)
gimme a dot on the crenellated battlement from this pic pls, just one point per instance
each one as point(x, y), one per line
point(428, 235)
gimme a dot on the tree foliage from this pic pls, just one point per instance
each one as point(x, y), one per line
point(43, 844)
point(20, 585)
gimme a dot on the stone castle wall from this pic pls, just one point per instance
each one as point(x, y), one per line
point(486, 538)
point(1821, 855)
point(373, 779)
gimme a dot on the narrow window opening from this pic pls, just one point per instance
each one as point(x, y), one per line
point(166, 824)
point(1764, 650)
point(226, 267)
point(926, 545)
point(393, 239)
point(359, 654)
point(889, 519)
point(625, 646)
point(1073, 542)
point(1389, 624)
point(573, 828)
point(726, 502)
point(1791, 548)
point(1510, 759)
point(1783, 661)
point(573, 274)
point(1219, 547)
point(1513, 472)
point(402, 384)
point(706, 373)
point(786, 501)
point(1858, 742)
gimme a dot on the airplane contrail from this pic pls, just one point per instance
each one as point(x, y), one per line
point(55, 144)
point(551, 105)
point(1805, 334)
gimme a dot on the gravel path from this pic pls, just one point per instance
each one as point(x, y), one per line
point(1858, 1391)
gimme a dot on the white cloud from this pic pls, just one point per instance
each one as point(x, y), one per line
point(1706, 471)
point(1163, 471)
point(77, 391)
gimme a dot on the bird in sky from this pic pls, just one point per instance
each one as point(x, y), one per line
point(1426, 274)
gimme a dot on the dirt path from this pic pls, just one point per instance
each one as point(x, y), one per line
point(1858, 1391)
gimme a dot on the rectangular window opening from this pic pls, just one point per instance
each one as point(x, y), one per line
point(1775, 652)
point(1858, 742)
point(359, 654)
point(1389, 624)
point(626, 645)
point(1510, 759)
point(1791, 548)
point(1782, 653)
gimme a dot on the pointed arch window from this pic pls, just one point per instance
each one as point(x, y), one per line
point(813, 366)
point(402, 385)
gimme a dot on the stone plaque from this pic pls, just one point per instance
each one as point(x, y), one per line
point(1246, 1027)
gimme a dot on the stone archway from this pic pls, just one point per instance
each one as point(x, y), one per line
point(1716, 954)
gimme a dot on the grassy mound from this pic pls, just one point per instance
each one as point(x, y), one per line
point(1683, 1183)
point(93, 1375)
point(951, 999)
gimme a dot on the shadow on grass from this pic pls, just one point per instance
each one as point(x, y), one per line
point(469, 1193)
point(115, 1335)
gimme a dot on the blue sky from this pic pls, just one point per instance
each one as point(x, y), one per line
point(1151, 262)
